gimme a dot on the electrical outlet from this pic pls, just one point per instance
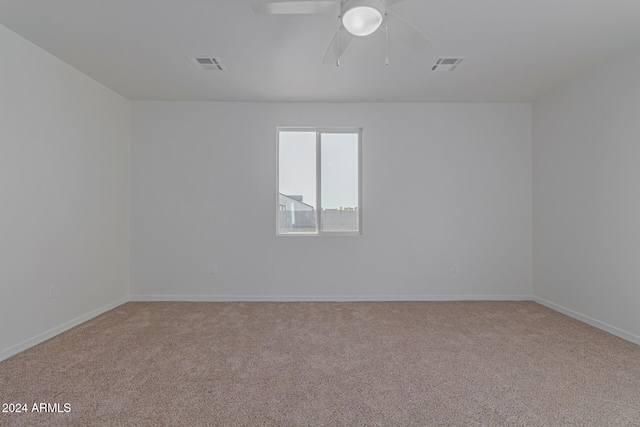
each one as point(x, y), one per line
point(455, 269)
point(214, 268)
point(52, 291)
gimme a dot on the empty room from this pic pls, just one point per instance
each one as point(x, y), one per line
point(320, 213)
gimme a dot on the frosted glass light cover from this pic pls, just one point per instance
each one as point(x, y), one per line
point(362, 20)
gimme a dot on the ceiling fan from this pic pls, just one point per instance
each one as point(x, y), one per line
point(358, 18)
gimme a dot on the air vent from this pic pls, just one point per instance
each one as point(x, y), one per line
point(446, 64)
point(206, 63)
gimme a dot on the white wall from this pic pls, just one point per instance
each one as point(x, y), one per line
point(443, 184)
point(64, 142)
point(587, 197)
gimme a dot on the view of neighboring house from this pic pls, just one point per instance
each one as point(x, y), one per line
point(295, 216)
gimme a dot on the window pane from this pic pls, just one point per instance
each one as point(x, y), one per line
point(339, 154)
point(297, 182)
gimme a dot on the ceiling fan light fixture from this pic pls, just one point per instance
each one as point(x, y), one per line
point(362, 17)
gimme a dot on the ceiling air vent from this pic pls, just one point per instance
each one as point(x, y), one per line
point(446, 64)
point(206, 63)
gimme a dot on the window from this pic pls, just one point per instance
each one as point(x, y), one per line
point(319, 181)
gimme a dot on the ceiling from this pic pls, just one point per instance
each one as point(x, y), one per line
point(514, 50)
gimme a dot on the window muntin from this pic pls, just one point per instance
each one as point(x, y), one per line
point(319, 181)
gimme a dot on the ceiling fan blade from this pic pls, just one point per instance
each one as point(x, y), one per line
point(392, 2)
point(298, 7)
point(407, 34)
point(341, 39)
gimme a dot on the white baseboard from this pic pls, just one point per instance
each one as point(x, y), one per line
point(13, 350)
point(589, 320)
point(285, 298)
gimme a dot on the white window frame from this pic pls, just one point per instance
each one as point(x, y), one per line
point(319, 131)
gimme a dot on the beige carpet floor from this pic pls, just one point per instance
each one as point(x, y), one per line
point(328, 364)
